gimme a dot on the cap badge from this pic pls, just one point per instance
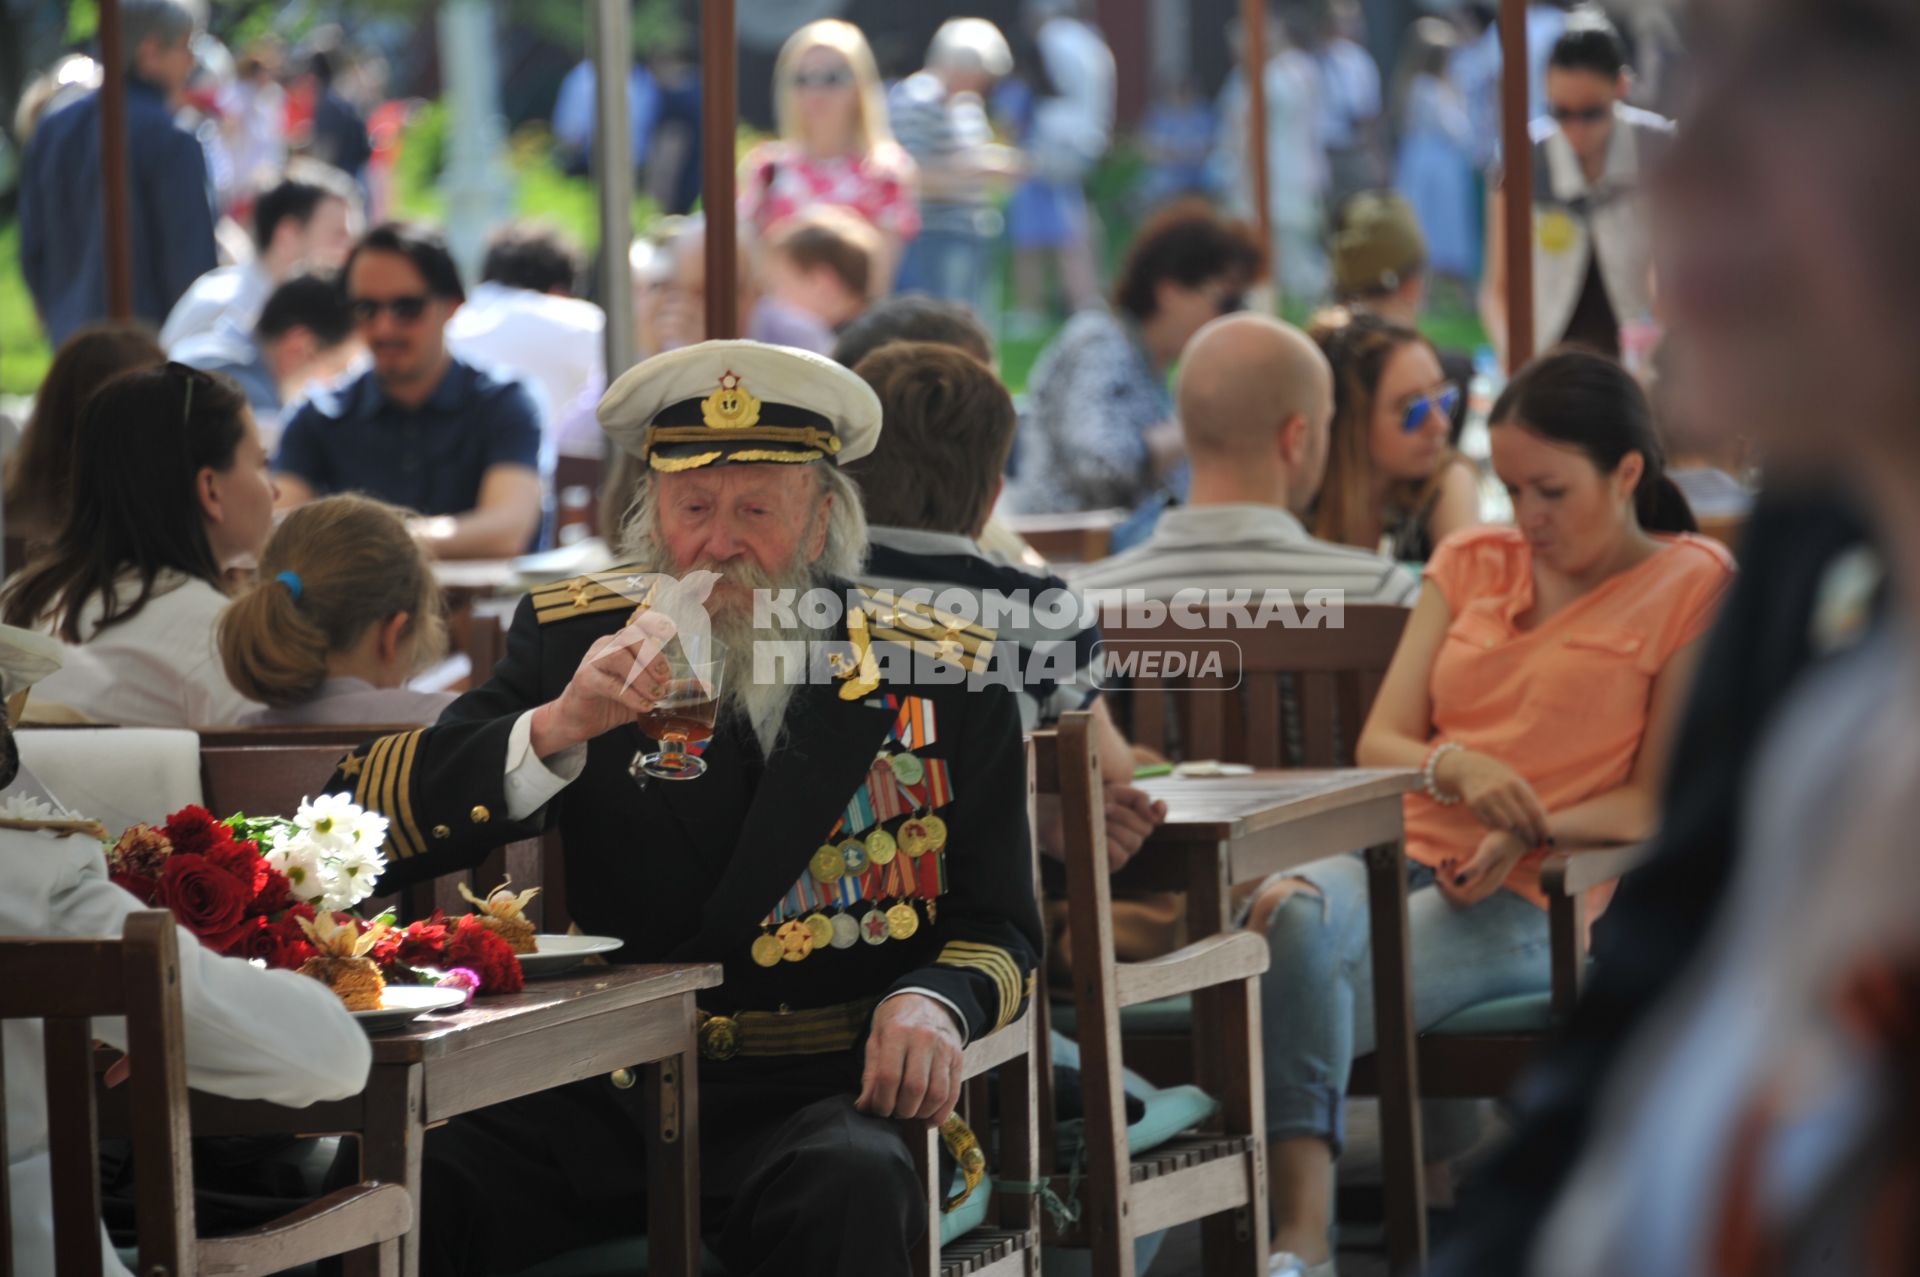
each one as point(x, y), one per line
point(730, 407)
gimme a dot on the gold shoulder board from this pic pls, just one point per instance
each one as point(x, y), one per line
point(926, 629)
point(606, 591)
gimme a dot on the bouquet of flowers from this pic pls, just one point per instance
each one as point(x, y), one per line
point(276, 890)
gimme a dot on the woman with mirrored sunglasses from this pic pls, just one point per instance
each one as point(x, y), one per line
point(1394, 483)
point(835, 144)
point(1592, 246)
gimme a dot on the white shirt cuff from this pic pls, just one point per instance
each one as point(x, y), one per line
point(531, 783)
point(959, 1021)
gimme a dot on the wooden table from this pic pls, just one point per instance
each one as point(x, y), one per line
point(501, 1048)
point(1238, 829)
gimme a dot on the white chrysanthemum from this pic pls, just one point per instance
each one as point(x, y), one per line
point(369, 830)
point(27, 807)
point(357, 871)
point(304, 864)
point(330, 820)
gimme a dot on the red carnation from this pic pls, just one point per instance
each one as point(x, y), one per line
point(485, 954)
point(205, 899)
point(244, 861)
point(424, 944)
point(194, 831)
point(291, 946)
point(271, 891)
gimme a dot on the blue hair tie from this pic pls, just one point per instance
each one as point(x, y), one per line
point(292, 581)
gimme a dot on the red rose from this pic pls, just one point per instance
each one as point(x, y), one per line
point(256, 940)
point(141, 886)
point(193, 830)
point(207, 900)
point(485, 954)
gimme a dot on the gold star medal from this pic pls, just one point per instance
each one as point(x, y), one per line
point(795, 939)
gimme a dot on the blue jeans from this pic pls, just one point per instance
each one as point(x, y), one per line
point(1316, 1009)
point(949, 265)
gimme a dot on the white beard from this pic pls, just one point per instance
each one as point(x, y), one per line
point(762, 704)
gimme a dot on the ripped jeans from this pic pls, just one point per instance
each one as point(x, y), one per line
point(1316, 1000)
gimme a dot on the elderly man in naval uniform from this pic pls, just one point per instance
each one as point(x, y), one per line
point(855, 851)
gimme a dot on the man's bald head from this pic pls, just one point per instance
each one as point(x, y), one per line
point(1252, 390)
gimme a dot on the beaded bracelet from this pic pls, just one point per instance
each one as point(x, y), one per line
point(1429, 772)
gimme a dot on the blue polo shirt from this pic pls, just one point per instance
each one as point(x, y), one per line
point(430, 459)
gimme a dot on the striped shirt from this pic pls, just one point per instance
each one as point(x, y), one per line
point(1036, 619)
point(1241, 547)
point(939, 130)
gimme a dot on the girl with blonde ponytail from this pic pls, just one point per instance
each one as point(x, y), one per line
point(344, 612)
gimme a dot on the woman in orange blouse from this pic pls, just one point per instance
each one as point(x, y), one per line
point(1536, 687)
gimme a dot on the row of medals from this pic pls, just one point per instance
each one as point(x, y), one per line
point(796, 938)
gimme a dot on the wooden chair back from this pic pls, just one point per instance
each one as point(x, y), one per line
point(1269, 697)
point(1219, 1177)
point(1008, 1243)
point(1081, 537)
point(67, 984)
point(273, 779)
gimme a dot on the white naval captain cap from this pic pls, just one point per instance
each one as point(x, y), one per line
point(740, 402)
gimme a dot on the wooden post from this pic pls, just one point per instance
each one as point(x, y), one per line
point(1516, 149)
point(1253, 26)
point(113, 164)
point(719, 111)
point(612, 27)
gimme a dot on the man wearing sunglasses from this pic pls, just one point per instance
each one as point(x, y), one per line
point(456, 444)
point(1592, 247)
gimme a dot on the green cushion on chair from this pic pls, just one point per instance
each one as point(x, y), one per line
point(1521, 1013)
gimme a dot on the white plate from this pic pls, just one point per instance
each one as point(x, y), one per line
point(405, 1003)
point(563, 953)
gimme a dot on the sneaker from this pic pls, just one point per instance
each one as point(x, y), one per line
point(1287, 1264)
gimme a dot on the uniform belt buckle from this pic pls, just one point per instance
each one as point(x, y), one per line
point(719, 1038)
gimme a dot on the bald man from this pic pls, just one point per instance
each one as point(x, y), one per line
point(1255, 402)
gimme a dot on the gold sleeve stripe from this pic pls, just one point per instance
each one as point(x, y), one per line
point(995, 963)
point(365, 792)
point(384, 796)
point(403, 830)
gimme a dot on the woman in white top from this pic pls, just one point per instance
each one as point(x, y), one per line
point(344, 612)
point(170, 491)
point(1592, 235)
point(253, 1035)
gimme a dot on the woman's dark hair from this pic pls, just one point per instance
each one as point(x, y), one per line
point(40, 473)
point(1589, 43)
point(1589, 402)
point(420, 245)
point(141, 441)
point(1187, 243)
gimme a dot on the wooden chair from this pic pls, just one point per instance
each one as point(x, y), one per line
point(1283, 697)
point(68, 983)
point(1068, 538)
point(1008, 1244)
point(1216, 1177)
point(272, 779)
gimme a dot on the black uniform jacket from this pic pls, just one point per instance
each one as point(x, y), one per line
point(690, 870)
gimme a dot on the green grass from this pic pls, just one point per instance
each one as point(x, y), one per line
point(23, 347)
